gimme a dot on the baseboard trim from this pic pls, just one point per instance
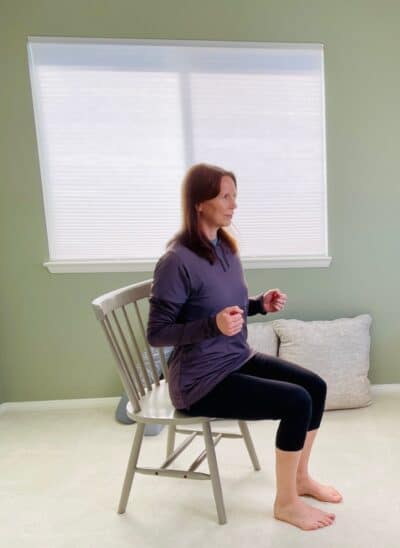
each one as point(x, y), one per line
point(394, 387)
point(83, 403)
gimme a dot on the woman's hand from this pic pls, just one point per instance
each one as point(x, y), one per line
point(274, 300)
point(230, 320)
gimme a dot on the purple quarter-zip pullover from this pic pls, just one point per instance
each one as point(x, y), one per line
point(187, 294)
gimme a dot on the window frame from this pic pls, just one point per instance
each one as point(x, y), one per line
point(255, 262)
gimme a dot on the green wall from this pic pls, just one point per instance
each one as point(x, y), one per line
point(51, 345)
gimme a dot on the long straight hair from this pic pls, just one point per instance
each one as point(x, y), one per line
point(202, 182)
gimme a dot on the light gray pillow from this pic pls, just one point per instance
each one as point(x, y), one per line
point(262, 338)
point(337, 350)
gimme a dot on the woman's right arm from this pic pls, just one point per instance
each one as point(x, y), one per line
point(172, 286)
point(163, 328)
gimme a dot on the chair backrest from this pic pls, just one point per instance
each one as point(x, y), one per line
point(121, 314)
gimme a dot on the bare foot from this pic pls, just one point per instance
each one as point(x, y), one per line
point(302, 515)
point(324, 493)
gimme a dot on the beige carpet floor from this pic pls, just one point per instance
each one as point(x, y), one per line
point(62, 466)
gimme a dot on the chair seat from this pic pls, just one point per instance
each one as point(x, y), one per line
point(156, 407)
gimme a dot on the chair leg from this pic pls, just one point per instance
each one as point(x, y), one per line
point(130, 471)
point(214, 473)
point(249, 444)
point(170, 439)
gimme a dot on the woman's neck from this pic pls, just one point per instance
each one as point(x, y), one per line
point(210, 232)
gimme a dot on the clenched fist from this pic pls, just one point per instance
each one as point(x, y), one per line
point(274, 300)
point(230, 320)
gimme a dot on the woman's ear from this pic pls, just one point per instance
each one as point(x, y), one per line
point(199, 208)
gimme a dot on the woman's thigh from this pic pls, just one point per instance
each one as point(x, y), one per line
point(248, 397)
point(270, 367)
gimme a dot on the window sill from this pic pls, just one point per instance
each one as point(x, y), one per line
point(72, 267)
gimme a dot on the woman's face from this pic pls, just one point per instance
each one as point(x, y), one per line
point(218, 212)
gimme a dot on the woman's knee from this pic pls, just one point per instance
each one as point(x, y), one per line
point(319, 387)
point(301, 402)
point(295, 423)
point(318, 394)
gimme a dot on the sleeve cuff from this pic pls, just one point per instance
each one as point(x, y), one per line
point(214, 329)
point(260, 301)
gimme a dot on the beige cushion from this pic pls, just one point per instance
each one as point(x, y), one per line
point(262, 338)
point(337, 350)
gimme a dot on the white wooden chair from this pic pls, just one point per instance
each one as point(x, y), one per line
point(120, 313)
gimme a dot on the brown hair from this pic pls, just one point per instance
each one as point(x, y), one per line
point(202, 182)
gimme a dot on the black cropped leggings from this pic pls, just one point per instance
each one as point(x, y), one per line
point(266, 387)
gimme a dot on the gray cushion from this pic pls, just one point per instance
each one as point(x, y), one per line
point(262, 338)
point(337, 350)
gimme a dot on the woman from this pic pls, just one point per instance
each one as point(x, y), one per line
point(199, 305)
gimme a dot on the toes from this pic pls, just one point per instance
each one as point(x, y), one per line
point(335, 494)
point(325, 522)
point(325, 518)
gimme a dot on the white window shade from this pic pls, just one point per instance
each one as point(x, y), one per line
point(118, 125)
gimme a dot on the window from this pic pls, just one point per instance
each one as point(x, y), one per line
point(119, 122)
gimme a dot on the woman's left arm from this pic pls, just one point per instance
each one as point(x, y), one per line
point(273, 300)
